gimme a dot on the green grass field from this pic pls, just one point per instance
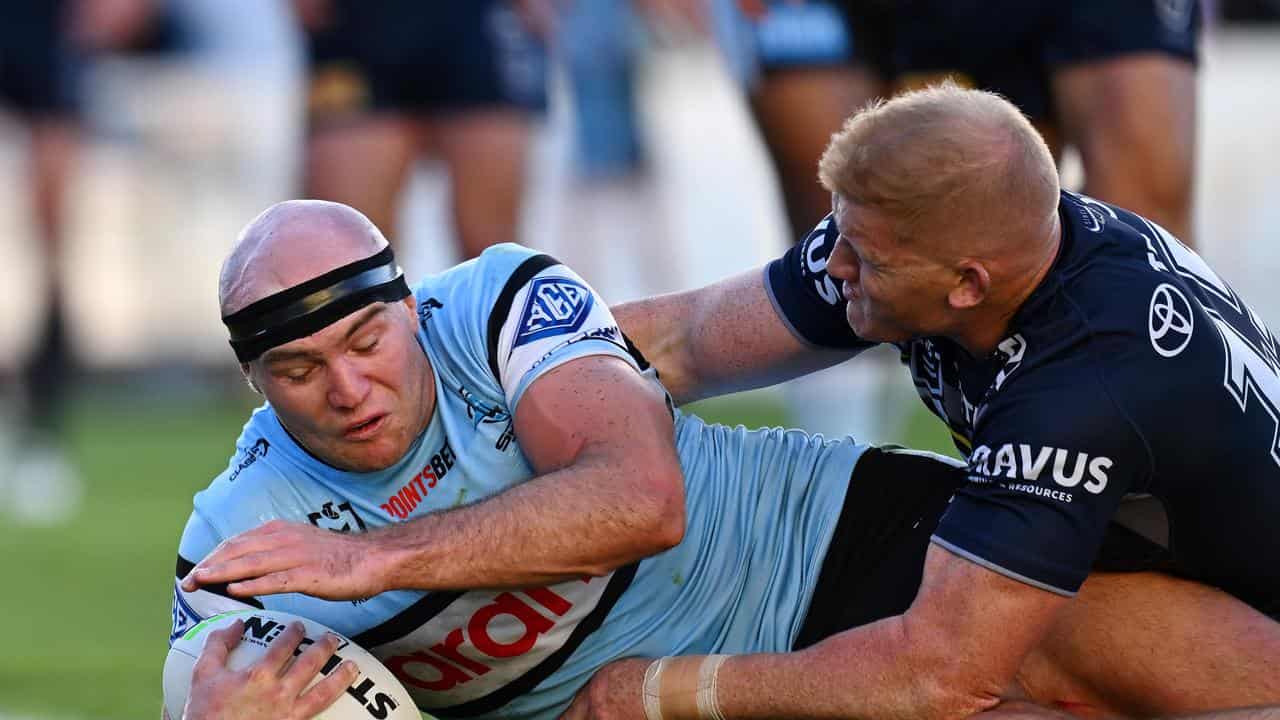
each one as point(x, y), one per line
point(86, 605)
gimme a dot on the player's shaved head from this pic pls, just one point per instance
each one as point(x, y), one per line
point(292, 242)
point(961, 169)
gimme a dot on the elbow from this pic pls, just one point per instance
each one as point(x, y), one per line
point(948, 686)
point(667, 522)
point(661, 516)
point(650, 519)
point(950, 697)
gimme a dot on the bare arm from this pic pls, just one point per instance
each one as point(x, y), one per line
point(955, 652)
point(609, 491)
point(718, 339)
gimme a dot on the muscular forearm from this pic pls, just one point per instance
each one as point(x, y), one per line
point(874, 671)
point(718, 339)
point(587, 519)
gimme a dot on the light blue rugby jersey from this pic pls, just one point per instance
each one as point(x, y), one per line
point(761, 507)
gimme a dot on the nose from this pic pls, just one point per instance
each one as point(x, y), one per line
point(348, 386)
point(843, 264)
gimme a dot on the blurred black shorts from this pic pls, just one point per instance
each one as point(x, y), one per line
point(1008, 46)
point(39, 75)
point(424, 57)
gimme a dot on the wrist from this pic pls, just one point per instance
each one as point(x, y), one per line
point(683, 688)
point(388, 558)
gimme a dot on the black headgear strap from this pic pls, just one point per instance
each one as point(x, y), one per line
point(303, 309)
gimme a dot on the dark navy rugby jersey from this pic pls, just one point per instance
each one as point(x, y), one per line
point(1132, 369)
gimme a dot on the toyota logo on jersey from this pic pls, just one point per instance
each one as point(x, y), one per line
point(1170, 321)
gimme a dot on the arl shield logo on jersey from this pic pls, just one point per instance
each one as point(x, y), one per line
point(555, 306)
point(1020, 461)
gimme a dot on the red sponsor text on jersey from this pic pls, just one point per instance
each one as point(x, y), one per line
point(409, 496)
point(446, 666)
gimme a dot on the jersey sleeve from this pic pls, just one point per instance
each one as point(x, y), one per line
point(190, 608)
point(806, 298)
point(546, 316)
point(1050, 464)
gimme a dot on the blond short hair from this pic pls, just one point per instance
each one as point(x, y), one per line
point(944, 157)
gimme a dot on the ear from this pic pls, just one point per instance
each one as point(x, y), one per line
point(248, 378)
point(411, 302)
point(972, 285)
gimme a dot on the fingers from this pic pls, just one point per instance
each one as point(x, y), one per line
point(287, 581)
point(247, 558)
point(281, 649)
point(310, 661)
point(218, 646)
point(214, 568)
point(327, 691)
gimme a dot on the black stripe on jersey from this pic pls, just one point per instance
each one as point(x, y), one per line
point(185, 566)
point(643, 363)
point(502, 308)
point(620, 581)
point(636, 355)
point(408, 620)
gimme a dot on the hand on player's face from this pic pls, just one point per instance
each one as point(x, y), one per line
point(281, 557)
point(614, 693)
point(266, 690)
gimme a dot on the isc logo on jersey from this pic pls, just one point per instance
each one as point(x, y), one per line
point(555, 306)
point(1027, 462)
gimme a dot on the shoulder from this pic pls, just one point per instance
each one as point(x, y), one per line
point(1126, 305)
point(473, 295)
point(259, 482)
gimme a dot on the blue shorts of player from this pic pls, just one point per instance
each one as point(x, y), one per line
point(1009, 46)
point(424, 57)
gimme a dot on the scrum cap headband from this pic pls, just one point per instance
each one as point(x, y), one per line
point(303, 309)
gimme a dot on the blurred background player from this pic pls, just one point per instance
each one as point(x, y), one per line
point(43, 47)
point(391, 80)
point(1114, 79)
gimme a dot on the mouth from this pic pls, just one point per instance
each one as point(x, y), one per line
point(365, 429)
point(847, 291)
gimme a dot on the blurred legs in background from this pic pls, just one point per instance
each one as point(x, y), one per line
point(395, 79)
point(38, 76)
point(815, 70)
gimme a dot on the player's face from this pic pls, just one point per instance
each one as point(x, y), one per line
point(357, 393)
point(893, 293)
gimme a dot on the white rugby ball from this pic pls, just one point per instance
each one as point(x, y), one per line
point(375, 695)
